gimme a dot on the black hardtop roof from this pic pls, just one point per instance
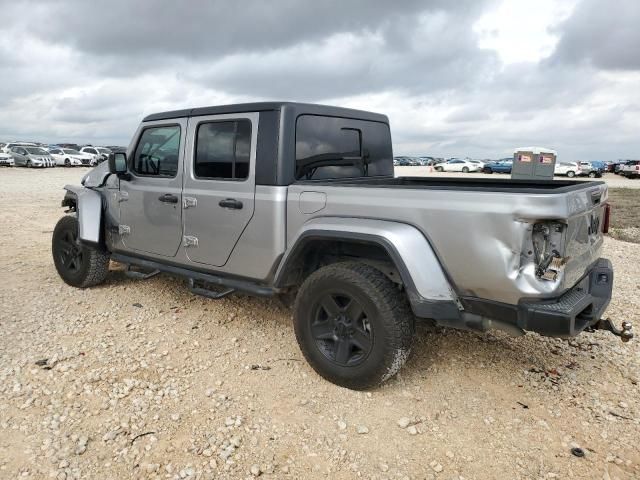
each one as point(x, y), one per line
point(292, 107)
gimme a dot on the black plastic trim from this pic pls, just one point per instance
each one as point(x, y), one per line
point(446, 183)
point(567, 315)
point(267, 148)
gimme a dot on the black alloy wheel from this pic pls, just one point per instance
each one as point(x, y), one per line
point(341, 329)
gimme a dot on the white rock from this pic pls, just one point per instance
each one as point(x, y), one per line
point(404, 422)
point(342, 425)
point(362, 430)
point(412, 430)
point(255, 470)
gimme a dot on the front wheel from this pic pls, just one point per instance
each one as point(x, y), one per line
point(78, 264)
point(571, 174)
point(439, 169)
point(28, 163)
point(465, 169)
point(67, 162)
point(354, 326)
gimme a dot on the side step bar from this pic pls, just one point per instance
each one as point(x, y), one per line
point(232, 284)
point(205, 292)
point(129, 272)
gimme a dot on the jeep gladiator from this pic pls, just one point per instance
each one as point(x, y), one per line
point(300, 201)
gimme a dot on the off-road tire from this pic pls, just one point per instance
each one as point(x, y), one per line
point(93, 264)
point(386, 309)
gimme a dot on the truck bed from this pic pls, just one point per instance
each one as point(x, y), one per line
point(486, 223)
point(478, 184)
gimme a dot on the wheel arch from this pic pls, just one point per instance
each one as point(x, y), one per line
point(403, 246)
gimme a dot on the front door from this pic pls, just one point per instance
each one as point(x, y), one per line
point(219, 185)
point(151, 200)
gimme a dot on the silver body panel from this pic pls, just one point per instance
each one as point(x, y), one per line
point(410, 244)
point(481, 238)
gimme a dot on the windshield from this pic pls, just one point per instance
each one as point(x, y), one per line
point(35, 151)
point(103, 150)
point(70, 151)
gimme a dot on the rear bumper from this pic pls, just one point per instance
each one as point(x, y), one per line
point(577, 309)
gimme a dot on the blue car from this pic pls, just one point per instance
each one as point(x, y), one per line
point(500, 166)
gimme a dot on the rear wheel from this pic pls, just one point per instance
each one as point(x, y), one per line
point(571, 174)
point(439, 169)
point(592, 174)
point(29, 164)
point(67, 162)
point(79, 265)
point(465, 169)
point(353, 325)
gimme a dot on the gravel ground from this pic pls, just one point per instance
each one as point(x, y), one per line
point(140, 379)
point(613, 180)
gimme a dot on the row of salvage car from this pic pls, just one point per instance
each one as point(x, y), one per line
point(31, 155)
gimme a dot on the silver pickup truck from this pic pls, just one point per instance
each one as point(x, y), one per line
point(300, 201)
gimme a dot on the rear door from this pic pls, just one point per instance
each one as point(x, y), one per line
point(219, 185)
point(151, 201)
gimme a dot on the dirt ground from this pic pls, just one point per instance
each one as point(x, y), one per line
point(141, 379)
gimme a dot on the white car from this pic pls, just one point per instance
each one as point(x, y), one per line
point(477, 162)
point(457, 165)
point(6, 160)
point(7, 147)
point(69, 157)
point(100, 154)
point(570, 169)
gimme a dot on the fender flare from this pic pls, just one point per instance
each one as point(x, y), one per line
point(430, 293)
point(88, 205)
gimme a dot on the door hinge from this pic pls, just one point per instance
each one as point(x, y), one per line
point(124, 229)
point(190, 241)
point(124, 196)
point(189, 202)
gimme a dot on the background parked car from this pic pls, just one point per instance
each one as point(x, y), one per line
point(457, 165)
point(70, 158)
point(31, 157)
point(570, 169)
point(6, 160)
point(8, 146)
point(498, 166)
point(631, 169)
point(590, 169)
point(97, 157)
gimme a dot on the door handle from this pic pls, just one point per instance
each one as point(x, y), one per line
point(168, 198)
point(230, 203)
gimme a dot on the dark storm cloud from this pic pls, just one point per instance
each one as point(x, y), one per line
point(605, 34)
point(215, 28)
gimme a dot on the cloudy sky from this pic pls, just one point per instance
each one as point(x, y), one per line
point(457, 78)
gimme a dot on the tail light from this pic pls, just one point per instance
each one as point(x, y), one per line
point(607, 218)
point(638, 167)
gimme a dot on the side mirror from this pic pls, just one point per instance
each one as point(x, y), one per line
point(118, 163)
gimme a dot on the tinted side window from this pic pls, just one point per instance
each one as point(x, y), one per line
point(158, 151)
point(331, 147)
point(223, 149)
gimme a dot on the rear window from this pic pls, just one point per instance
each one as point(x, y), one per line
point(332, 147)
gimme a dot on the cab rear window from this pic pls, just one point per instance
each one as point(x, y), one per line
point(335, 147)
